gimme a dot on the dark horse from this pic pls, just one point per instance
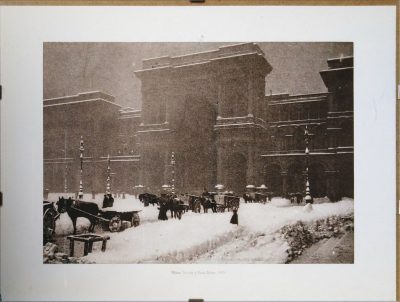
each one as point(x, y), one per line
point(177, 207)
point(247, 198)
point(148, 198)
point(208, 203)
point(169, 202)
point(89, 210)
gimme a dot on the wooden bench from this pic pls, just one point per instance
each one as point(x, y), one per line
point(88, 239)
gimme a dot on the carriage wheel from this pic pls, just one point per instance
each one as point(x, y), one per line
point(135, 219)
point(115, 224)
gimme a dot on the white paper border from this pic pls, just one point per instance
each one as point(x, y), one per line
point(24, 29)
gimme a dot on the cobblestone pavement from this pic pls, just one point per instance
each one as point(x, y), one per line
point(332, 250)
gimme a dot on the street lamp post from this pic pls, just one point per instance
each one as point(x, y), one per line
point(173, 172)
point(108, 184)
point(81, 149)
point(307, 198)
point(65, 162)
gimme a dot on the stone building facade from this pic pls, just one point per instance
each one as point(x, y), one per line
point(211, 111)
point(329, 120)
point(106, 129)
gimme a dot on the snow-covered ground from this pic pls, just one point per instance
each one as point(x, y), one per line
point(210, 238)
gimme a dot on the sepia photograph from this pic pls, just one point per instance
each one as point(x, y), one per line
point(198, 153)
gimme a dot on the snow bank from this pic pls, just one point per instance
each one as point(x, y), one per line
point(269, 218)
point(280, 202)
point(210, 238)
point(172, 239)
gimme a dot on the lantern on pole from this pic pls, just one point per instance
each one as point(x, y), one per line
point(81, 149)
point(308, 198)
point(173, 172)
point(108, 184)
point(65, 161)
point(65, 179)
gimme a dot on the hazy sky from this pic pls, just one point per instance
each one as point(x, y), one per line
point(72, 68)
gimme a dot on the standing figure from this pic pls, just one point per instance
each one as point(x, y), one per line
point(108, 201)
point(162, 215)
point(235, 217)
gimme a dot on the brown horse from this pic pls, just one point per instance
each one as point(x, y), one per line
point(89, 210)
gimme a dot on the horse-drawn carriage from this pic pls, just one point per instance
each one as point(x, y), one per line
point(110, 218)
point(194, 203)
point(50, 215)
point(226, 201)
point(262, 198)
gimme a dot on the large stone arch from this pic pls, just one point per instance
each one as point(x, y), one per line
point(235, 167)
point(193, 144)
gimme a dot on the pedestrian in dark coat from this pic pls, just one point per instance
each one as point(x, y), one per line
point(162, 215)
point(235, 218)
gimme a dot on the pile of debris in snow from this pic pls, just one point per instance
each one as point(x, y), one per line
point(300, 235)
point(51, 255)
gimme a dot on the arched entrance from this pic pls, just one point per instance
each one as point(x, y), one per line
point(194, 146)
point(235, 168)
point(153, 175)
point(273, 179)
point(317, 179)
